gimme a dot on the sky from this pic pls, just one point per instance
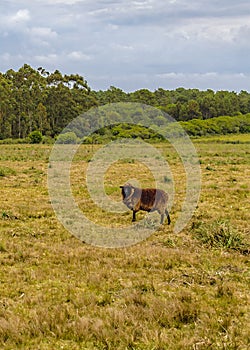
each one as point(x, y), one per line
point(131, 44)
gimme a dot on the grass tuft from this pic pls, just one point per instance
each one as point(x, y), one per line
point(6, 171)
point(219, 234)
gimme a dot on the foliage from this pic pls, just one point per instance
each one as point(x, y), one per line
point(35, 136)
point(38, 100)
point(219, 125)
point(67, 138)
point(33, 100)
point(10, 141)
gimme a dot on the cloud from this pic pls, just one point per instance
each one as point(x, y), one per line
point(11, 61)
point(227, 30)
point(14, 21)
point(172, 80)
point(62, 2)
point(78, 56)
point(131, 44)
point(43, 32)
point(42, 36)
point(214, 80)
point(21, 16)
point(46, 59)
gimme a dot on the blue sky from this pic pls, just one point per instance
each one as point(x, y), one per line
point(131, 44)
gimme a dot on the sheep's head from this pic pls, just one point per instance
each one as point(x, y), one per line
point(127, 189)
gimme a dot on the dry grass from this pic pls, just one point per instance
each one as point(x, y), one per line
point(185, 291)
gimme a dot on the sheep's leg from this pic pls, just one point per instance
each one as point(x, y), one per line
point(162, 218)
point(134, 219)
point(168, 217)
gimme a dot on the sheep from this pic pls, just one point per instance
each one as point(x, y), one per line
point(147, 199)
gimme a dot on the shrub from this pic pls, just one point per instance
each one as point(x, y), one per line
point(67, 138)
point(47, 140)
point(10, 141)
point(35, 136)
point(218, 125)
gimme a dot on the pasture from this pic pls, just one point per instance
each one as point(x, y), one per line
point(171, 291)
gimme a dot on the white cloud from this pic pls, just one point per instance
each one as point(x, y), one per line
point(51, 58)
point(41, 36)
point(63, 2)
point(43, 32)
point(15, 21)
point(123, 47)
point(21, 16)
point(213, 80)
point(131, 44)
point(143, 5)
point(78, 56)
point(6, 57)
point(9, 60)
point(172, 80)
point(217, 29)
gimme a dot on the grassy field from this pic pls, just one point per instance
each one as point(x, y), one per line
point(172, 291)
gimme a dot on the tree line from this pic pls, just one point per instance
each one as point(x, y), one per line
point(38, 100)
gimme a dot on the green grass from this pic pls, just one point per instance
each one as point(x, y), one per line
point(6, 171)
point(220, 234)
point(172, 291)
point(229, 138)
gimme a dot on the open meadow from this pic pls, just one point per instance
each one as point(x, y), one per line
point(188, 290)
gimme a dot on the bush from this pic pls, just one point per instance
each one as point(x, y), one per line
point(47, 140)
point(217, 125)
point(67, 138)
point(10, 141)
point(35, 137)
